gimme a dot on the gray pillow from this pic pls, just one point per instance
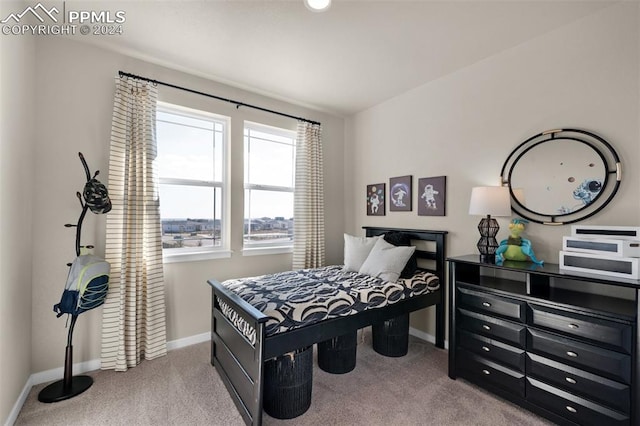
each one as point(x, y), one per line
point(356, 250)
point(386, 261)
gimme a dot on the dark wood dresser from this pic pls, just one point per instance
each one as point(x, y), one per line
point(561, 345)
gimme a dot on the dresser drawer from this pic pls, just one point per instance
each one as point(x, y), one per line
point(599, 389)
point(490, 304)
point(571, 407)
point(614, 365)
point(492, 349)
point(482, 370)
point(485, 325)
point(613, 334)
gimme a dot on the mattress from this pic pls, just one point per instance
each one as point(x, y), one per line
point(294, 299)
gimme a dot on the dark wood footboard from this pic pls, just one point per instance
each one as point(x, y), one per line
point(239, 358)
point(239, 346)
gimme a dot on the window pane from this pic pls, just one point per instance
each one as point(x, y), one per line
point(268, 217)
point(268, 162)
point(190, 216)
point(276, 135)
point(187, 152)
point(270, 165)
point(192, 146)
point(218, 156)
point(184, 120)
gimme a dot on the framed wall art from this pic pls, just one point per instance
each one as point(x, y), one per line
point(400, 194)
point(375, 199)
point(432, 196)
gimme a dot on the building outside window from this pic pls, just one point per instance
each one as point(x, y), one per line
point(191, 162)
point(269, 176)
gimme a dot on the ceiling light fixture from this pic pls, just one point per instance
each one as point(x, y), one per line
point(317, 5)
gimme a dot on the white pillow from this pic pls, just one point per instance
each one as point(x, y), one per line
point(386, 261)
point(356, 250)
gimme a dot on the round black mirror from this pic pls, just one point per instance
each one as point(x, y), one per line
point(561, 176)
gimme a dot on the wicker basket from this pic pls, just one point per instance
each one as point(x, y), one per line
point(338, 355)
point(391, 337)
point(287, 384)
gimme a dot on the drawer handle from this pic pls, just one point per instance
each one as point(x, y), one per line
point(572, 354)
point(486, 327)
point(574, 326)
point(486, 304)
point(486, 349)
point(487, 372)
point(571, 409)
point(570, 380)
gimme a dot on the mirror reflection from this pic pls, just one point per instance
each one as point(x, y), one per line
point(559, 177)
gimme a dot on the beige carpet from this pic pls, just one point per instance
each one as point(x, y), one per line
point(184, 389)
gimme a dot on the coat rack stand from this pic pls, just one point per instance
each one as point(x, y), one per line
point(70, 386)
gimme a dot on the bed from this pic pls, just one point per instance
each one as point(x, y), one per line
point(245, 339)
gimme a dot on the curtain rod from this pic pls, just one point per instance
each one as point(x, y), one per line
point(237, 103)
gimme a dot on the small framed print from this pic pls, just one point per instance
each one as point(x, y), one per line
point(400, 194)
point(432, 196)
point(375, 199)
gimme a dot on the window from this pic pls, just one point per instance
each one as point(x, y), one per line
point(269, 176)
point(192, 146)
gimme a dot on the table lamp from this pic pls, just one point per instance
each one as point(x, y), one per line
point(489, 201)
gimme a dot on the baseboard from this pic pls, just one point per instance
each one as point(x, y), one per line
point(94, 364)
point(83, 367)
point(13, 414)
point(188, 341)
point(58, 373)
point(426, 336)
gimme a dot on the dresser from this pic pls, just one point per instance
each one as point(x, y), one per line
point(561, 345)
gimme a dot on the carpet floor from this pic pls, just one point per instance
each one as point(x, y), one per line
point(183, 388)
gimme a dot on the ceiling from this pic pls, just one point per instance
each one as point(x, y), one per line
point(347, 59)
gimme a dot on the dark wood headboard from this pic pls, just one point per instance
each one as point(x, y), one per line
point(437, 255)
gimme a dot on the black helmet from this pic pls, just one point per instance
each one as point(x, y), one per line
point(96, 196)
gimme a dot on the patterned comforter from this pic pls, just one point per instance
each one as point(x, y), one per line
point(294, 299)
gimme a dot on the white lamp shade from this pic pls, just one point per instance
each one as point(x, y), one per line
point(490, 200)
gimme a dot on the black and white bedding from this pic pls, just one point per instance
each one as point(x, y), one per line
point(294, 299)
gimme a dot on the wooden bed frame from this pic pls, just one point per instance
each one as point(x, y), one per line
point(241, 363)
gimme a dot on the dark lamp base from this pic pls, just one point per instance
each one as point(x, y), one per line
point(488, 258)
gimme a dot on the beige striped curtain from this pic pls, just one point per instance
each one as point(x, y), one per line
point(308, 204)
point(133, 319)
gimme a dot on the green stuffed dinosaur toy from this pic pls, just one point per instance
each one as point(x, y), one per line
point(515, 247)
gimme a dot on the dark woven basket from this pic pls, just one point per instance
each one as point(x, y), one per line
point(391, 337)
point(338, 355)
point(287, 384)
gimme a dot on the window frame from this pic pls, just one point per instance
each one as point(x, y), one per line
point(173, 255)
point(251, 249)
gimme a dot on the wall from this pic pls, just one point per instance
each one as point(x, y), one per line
point(75, 97)
point(464, 125)
point(17, 116)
